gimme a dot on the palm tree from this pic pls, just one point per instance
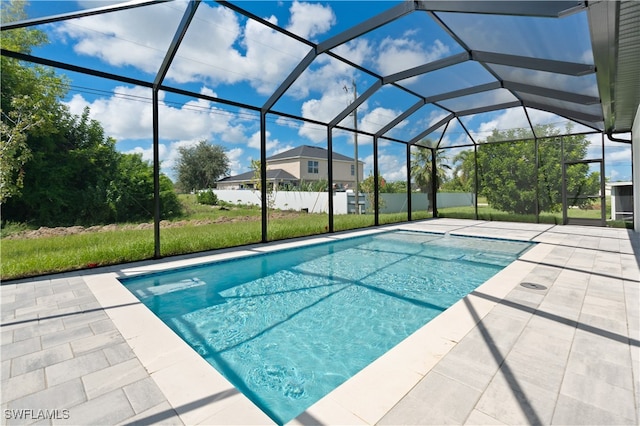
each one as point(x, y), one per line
point(421, 168)
point(464, 171)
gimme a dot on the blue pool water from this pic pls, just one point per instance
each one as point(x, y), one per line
point(288, 327)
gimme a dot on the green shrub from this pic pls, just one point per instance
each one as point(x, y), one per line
point(207, 197)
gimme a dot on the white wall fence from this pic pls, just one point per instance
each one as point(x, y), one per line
point(343, 202)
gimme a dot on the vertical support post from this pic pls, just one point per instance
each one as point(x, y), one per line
point(537, 162)
point(355, 149)
point(156, 175)
point(408, 161)
point(476, 179)
point(434, 181)
point(330, 173)
point(565, 218)
point(603, 197)
point(187, 17)
point(376, 186)
point(263, 174)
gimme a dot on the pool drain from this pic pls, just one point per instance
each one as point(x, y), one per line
point(533, 286)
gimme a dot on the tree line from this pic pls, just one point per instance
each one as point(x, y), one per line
point(514, 176)
point(60, 169)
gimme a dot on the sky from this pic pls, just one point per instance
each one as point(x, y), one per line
point(225, 55)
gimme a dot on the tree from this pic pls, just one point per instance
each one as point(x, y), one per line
point(200, 166)
point(422, 166)
point(463, 179)
point(397, 187)
point(130, 194)
point(368, 187)
point(508, 174)
point(320, 185)
point(257, 185)
point(60, 169)
point(76, 177)
point(15, 152)
point(29, 101)
point(66, 179)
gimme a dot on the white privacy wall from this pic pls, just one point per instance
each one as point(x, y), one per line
point(318, 202)
point(315, 202)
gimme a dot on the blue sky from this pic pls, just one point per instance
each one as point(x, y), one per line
point(228, 56)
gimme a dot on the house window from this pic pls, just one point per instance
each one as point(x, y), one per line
point(312, 167)
point(353, 170)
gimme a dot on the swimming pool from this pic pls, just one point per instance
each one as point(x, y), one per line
point(288, 327)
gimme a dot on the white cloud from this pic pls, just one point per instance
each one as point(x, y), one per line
point(377, 119)
point(332, 102)
point(274, 146)
point(392, 168)
point(368, 165)
point(329, 77)
point(207, 50)
point(398, 54)
point(268, 58)
point(513, 118)
point(310, 19)
point(242, 52)
point(313, 132)
point(619, 155)
point(235, 156)
point(455, 137)
point(255, 54)
point(587, 56)
point(254, 140)
point(217, 48)
point(324, 74)
point(167, 157)
point(124, 38)
point(432, 118)
point(125, 115)
point(287, 122)
point(128, 115)
point(357, 51)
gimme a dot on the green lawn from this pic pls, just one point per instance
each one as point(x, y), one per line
point(240, 226)
point(202, 228)
point(487, 213)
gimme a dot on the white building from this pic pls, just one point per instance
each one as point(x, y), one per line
point(304, 163)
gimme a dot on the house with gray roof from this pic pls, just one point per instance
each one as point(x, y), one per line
point(304, 163)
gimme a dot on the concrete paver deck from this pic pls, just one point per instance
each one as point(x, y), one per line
point(552, 339)
point(64, 360)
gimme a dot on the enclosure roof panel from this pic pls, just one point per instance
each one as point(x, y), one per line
point(579, 60)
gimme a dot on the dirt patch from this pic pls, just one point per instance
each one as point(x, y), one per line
point(44, 232)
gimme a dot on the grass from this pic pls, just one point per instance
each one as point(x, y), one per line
point(488, 213)
point(28, 257)
point(38, 256)
point(237, 226)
